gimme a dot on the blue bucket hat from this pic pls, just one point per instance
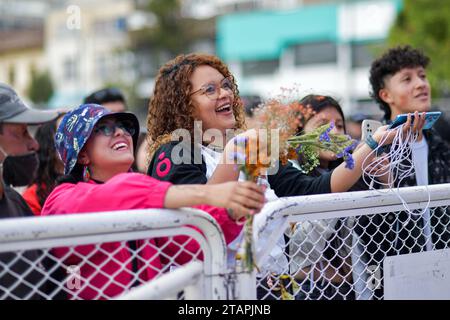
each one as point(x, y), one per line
point(76, 128)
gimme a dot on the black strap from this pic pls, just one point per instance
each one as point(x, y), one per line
point(134, 261)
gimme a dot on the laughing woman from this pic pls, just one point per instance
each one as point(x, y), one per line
point(96, 147)
point(198, 93)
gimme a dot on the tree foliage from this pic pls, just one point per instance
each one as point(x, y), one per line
point(173, 33)
point(425, 24)
point(168, 33)
point(40, 88)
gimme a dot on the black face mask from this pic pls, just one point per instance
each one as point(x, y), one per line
point(19, 171)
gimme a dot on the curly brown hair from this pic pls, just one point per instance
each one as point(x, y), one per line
point(171, 108)
point(394, 60)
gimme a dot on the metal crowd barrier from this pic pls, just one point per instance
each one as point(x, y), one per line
point(92, 256)
point(321, 247)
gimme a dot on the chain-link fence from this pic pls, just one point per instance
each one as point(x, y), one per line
point(108, 255)
point(332, 247)
point(307, 248)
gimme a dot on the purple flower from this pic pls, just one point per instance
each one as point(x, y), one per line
point(240, 140)
point(350, 147)
point(325, 136)
point(349, 162)
point(346, 153)
point(348, 158)
point(237, 156)
point(299, 151)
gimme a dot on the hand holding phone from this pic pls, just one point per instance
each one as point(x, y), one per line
point(430, 119)
point(368, 127)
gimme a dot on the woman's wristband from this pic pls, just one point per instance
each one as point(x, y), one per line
point(370, 141)
point(373, 144)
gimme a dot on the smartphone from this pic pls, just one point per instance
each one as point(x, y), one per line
point(368, 127)
point(430, 119)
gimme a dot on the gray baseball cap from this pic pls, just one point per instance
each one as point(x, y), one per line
point(14, 110)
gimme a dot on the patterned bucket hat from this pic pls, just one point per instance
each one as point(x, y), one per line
point(76, 128)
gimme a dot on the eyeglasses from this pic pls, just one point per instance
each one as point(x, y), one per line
point(108, 129)
point(212, 90)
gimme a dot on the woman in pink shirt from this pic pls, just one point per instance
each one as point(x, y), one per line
point(96, 147)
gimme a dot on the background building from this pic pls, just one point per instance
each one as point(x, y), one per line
point(324, 48)
point(21, 42)
point(321, 46)
point(210, 8)
point(86, 48)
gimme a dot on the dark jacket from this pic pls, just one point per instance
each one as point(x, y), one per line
point(16, 279)
point(288, 181)
point(400, 233)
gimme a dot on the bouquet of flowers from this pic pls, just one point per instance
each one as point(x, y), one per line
point(294, 144)
point(306, 147)
point(287, 121)
point(244, 155)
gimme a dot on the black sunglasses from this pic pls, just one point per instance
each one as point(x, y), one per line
point(108, 129)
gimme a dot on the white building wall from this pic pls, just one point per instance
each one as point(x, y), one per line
point(21, 62)
point(208, 8)
point(365, 20)
point(369, 20)
point(94, 46)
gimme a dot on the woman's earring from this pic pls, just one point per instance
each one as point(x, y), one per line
point(86, 174)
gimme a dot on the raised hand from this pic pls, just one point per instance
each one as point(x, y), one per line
point(384, 136)
point(240, 198)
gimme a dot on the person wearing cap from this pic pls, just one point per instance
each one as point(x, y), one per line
point(96, 147)
point(17, 148)
point(114, 100)
point(18, 161)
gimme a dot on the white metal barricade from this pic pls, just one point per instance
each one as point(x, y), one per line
point(333, 246)
point(167, 286)
point(329, 246)
point(90, 256)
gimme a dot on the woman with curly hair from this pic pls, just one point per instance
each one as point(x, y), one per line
point(173, 105)
point(198, 94)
